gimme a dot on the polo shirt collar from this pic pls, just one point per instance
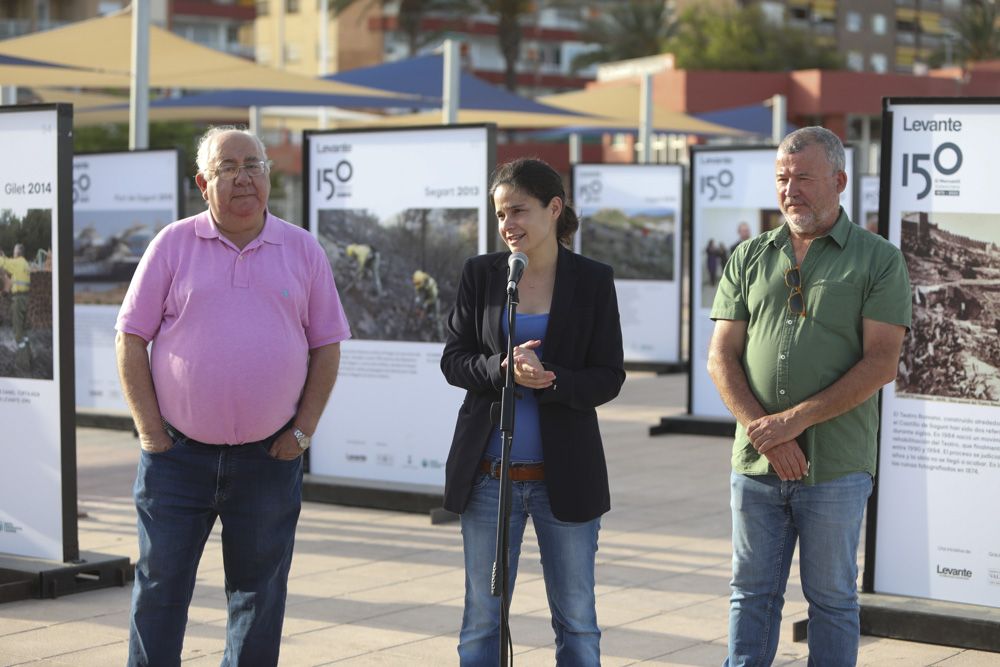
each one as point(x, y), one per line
point(840, 231)
point(273, 232)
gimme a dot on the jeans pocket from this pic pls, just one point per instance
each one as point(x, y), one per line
point(480, 480)
point(174, 444)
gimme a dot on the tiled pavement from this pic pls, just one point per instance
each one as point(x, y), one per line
point(372, 587)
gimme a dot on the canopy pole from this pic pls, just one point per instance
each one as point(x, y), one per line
point(646, 119)
point(324, 55)
point(575, 148)
point(450, 92)
point(779, 111)
point(254, 125)
point(138, 122)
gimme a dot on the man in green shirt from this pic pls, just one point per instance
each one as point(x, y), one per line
point(810, 320)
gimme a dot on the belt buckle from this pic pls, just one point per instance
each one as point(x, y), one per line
point(495, 469)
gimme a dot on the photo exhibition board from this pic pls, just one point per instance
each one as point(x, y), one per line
point(120, 202)
point(733, 197)
point(630, 218)
point(398, 212)
point(939, 449)
point(38, 475)
point(868, 193)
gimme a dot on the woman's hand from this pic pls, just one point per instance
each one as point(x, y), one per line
point(528, 369)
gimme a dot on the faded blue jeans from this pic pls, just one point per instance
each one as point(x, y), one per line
point(178, 495)
point(769, 515)
point(568, 552)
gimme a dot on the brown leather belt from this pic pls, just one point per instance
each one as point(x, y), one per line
point(519, 472)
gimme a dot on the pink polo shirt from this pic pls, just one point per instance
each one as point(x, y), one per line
point(232, 329)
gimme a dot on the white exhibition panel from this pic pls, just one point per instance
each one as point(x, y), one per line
point(31, 498)
point(631, 219)
point(392, 414)
point(120, 201)
point(729, 187)
point(868, 192)
point(939, 457)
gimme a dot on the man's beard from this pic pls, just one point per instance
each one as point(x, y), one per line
point(812, 221)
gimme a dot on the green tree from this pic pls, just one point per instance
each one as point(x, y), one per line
point(630, 29)
point(743, 39)
point(114, 137)
point(975, 31)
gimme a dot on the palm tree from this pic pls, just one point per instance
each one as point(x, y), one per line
point(411, 15)
point(508, 14)
point(630, 29)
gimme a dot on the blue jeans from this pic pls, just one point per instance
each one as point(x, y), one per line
point(768, 516)
point(178, 495)
point(568, 551)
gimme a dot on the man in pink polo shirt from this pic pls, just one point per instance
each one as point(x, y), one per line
point(246, 324)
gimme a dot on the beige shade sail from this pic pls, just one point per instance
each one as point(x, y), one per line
point(621, 103)
point(503, 119)
point(26, 75)
point(100, 109)
point(607, 108)
point(105, 45)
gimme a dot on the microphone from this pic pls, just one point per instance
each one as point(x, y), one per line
point(516, 264)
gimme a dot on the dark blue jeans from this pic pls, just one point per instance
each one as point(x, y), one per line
point(568, 552)
point(178, 495)
point(769, 516)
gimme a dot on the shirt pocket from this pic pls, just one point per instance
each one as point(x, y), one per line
point(836, 306)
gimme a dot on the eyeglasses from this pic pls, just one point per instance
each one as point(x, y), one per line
point(796, 300)
point(230, 171)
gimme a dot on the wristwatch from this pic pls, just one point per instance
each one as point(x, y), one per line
point(304, 440)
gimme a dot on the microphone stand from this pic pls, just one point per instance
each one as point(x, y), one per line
point(500, 582)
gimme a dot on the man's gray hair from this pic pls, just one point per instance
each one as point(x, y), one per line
point(207, 143)
point(815, 135)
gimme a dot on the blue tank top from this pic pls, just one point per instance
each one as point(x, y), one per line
point(527, 445)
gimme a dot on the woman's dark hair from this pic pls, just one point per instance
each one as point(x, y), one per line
point(536, 178)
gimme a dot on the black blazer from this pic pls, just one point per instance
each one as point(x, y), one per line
point(583, 346)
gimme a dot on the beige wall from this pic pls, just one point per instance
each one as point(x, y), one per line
point(350, 41)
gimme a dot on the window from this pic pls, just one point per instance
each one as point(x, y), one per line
point(856, 61)
point(880, 63)
point(879, 24)
point(263, 7)
point(292, 6)
point(853, 22)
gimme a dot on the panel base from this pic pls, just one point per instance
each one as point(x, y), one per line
point(109, 420)
point(693, 425)
point(24, 578)
point(660, 368)
point(356, 493)
point(927, 621)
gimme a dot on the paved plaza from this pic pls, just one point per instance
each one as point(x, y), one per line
point(373, 587)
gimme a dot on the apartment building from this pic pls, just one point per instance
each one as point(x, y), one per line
point(226, 25)
point(882, 36)
point(369, 33)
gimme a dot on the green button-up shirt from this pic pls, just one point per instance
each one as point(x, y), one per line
point(847, 275)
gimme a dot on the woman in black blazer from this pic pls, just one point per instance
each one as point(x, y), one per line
point(567, 361)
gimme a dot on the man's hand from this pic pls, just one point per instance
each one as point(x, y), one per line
point(787, 460)
point(155, 442)
point(285, 447)
point(770, 431)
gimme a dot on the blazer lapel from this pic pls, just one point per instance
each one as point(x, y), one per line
point(562, 303)
point(496, 300)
